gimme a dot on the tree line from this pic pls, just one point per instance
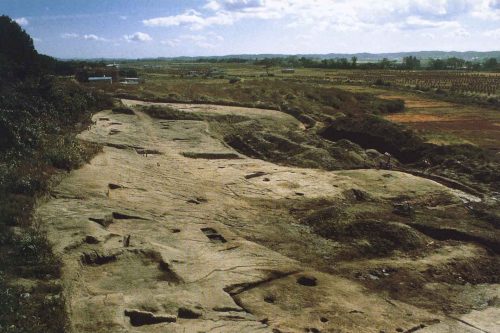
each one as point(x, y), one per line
point(407, 63)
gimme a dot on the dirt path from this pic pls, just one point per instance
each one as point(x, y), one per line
point(154, 241)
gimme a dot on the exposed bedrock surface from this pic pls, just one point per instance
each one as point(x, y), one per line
point(170, 230)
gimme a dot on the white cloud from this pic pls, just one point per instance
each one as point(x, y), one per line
point(487, 10)
point(492, 33)
point(441, 8)
point(188, 17)
point(338, 15)
point(233, 4)
point(208, 40)
point(297, 26)
point(206, 45)
point(428, 35)
point(69, 35)
point(459, 33)
point(90, 37)
point(138, 37)
point(193, 38)
point(93, 37)
point(415, 22)
point(22, 21)
point(172, 42)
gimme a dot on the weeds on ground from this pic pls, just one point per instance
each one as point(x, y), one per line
point(38, 127)
point(170, 113)
point(30, 297)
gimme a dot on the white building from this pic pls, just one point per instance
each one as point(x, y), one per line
point(101, 79)
point(130, 80)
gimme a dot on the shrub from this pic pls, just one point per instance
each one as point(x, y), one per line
point(123, 110)
point(387, 106)
point(169, 113)
point(14, 209)
point(39, 114)
point(393, 106)
point(380, 82)
point(376, 133)
point(493, 101)
point(67, 152)
point(234, 80)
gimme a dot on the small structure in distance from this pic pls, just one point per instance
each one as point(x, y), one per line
point(288, 70)
point(100, 79)
point(131, 80)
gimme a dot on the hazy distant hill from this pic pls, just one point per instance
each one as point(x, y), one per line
point(362, 57)
point(470, 55)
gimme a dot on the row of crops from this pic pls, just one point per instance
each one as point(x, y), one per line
point(466, 82)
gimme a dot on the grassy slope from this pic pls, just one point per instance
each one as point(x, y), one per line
point(40, 116)
point(40, 140)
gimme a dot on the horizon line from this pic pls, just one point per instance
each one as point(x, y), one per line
point(271, 54)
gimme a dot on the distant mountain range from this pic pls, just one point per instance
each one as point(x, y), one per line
point(362, 57)
point(469, 55)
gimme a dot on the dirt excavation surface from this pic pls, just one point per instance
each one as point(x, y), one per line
point(170, 230)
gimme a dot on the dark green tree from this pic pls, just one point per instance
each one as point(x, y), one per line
point(411, 62)
point(18, 57)
point(385, 63)
point(491, 64)
point(455, 63)
point(437, 64)
point(354, 62)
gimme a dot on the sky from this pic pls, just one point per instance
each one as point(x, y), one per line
point(166, 28)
